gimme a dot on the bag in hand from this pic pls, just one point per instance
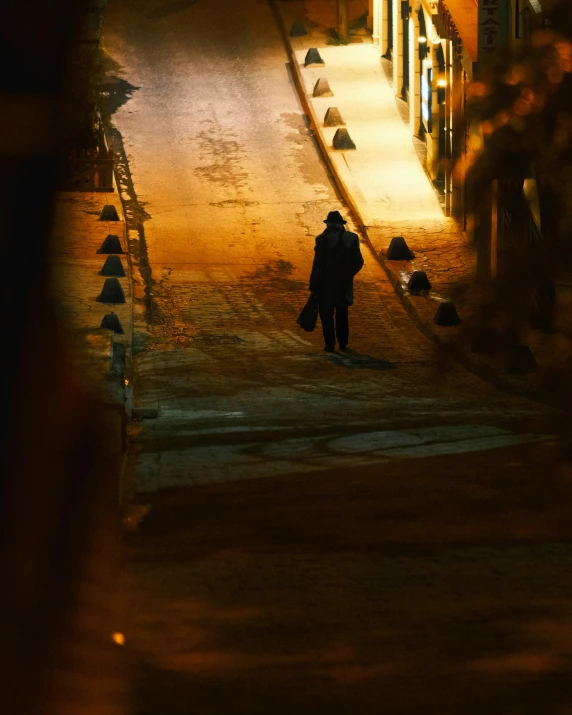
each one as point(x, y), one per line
point(309, 315)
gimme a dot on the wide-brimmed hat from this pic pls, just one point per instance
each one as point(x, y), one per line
point(335, 217)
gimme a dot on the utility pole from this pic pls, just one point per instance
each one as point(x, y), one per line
point(342, 19)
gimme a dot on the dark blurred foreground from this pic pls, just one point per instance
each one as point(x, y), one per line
point(60, 458)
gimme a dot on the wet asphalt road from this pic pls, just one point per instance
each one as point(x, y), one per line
point(328, 533)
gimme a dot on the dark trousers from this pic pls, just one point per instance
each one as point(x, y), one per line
point(341, 329)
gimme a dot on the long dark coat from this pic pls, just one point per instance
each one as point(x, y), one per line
point(337, 259)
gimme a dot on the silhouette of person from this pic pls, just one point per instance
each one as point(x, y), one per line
point(337, 259)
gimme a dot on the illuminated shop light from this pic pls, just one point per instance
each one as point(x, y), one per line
point(422, 39)
point(441, 83)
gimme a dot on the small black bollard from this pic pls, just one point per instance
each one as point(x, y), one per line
point(446, 314)
point(313, 58)
point(112, 267)
point(322, 88)
point(419, 282)
point(111, 322)
point(342, 140)
point(111, 244)
point(108, 213)
point(399, 250)
point(333, 118)
point(112, 292)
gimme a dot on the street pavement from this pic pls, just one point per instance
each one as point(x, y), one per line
point(377, 531)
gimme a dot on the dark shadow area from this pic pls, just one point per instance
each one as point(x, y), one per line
point(171, 9)
point(429, 590)
point(354, 360)
point(310, 686)
point(384, 507)
point(114, 93)
point(277, 276)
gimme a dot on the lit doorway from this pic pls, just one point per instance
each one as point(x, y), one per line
point(405, 54)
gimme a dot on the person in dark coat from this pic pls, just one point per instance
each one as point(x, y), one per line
point(337, 259)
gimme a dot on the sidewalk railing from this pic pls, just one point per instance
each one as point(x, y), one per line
point(90, 170)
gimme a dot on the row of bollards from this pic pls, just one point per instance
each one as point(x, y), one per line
point(112, 292)
point(521, 360)
point(342, 140)
point(446, 314)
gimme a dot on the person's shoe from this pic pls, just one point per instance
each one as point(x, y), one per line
point(330, 349)
point(344, 348)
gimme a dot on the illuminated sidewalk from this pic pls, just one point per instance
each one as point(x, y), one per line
point(389, 182)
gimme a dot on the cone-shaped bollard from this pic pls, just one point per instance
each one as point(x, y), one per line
point(342, 140)
point(112, 267)
point(112, 322)
point(333, 118)
point(112, 292)
point(298, 29)
point(108, 213)
point(313, 58)
point(399, 250)
point(419, 281)
point(446, 314)
point(522, 361)
point(322, 88)
point(112, 244)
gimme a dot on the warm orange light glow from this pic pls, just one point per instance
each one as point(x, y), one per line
point(476, 89)
point(516, 75)
point(539, 102)
point(555, 74)
point(522, 107)
point(542, 37)
point(501, 119)
point(487, 127)
point(564, 50)
point(118, 638)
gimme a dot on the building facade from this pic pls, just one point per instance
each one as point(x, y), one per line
point(432, 50)
point(435, 47)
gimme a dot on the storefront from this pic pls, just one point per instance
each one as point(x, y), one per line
point(431, 66)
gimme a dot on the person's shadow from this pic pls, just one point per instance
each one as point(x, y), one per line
point(354, 360)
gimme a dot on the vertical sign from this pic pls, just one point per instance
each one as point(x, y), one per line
point(493, 26)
